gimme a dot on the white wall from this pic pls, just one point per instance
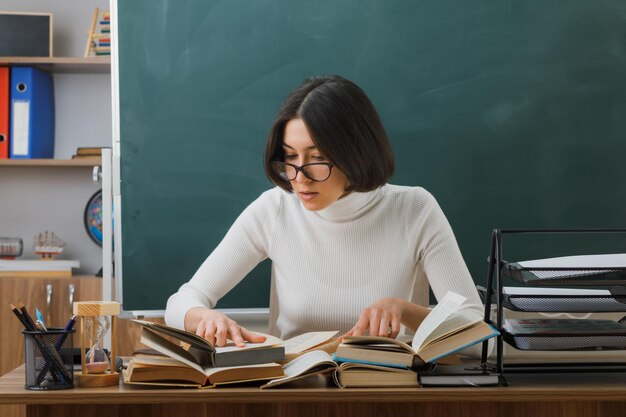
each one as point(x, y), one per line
point(37, 199)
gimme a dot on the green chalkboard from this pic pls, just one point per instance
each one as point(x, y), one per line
point(512, 113)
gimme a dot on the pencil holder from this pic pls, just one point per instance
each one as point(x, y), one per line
point(49, 359)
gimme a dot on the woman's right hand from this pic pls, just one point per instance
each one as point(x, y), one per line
point(217, 327)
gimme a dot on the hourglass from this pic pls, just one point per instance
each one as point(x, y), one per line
point(96, 319)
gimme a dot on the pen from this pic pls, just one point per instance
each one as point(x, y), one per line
point(47, 349)
point(40, 326)
point(68, 327)
point(40, 318)
point(19, 313)
point(57, 346)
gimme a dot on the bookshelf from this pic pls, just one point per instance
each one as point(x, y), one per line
point(77, 80)
point(57, 163)
point(63, 65)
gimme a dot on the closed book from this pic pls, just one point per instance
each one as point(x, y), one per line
point(450, 376)
point(358, 375)
point(37, 267)
point(89, 151)
point(201, 354)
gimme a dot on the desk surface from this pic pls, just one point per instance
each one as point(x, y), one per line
point(587, 387)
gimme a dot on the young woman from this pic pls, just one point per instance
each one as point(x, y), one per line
point(346, 248)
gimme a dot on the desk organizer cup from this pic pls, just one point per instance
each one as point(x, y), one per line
point(49, 359)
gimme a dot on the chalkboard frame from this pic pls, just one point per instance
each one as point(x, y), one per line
point(508, 117)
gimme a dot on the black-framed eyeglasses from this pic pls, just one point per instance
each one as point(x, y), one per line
point(316, 171)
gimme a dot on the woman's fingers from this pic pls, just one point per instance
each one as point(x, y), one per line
point(251, 336)
point(361, 325)
point(375, 317)
point(384, 326)
point(207, 330)
point(221, 333)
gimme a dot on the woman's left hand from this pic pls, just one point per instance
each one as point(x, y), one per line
point(383, 318)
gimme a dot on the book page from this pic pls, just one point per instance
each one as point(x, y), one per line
point(210, 371)
point(449, 304)
point(269, 341)
point(154, 360)
point(160, 344)
point(181, 335)
point(306, 341)
point(309, 363)
point(453, 324)
point(377, 342)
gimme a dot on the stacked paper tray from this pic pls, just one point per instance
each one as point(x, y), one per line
point(554, 300)
point(564, 334)
point(587, 270)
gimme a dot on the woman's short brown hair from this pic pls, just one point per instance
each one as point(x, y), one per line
point(344, 126)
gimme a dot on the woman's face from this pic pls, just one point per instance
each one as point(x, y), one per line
point(299, 150)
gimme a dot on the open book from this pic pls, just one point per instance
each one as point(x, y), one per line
point(344, 375)
point(198, 363)
point(307, 342)
point(164, 371)
point(444, 331)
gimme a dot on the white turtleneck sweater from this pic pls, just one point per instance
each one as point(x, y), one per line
point(328, 265)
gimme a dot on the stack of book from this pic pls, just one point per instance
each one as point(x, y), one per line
point(190, 360)
point(354, 361)
point(385, 361)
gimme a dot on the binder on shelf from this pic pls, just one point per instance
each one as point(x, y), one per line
point(32, 114)
point(4, 112)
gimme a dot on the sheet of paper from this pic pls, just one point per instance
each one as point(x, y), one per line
point(530, 299)
point(553, 291)
point(614, 260)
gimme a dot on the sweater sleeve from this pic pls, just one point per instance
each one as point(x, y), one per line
point(245, 244)
point(434, 246)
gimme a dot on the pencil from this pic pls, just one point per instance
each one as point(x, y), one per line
point(47, 349)
point(19, 316)
point(26, 315)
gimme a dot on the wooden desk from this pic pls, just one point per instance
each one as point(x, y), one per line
point(603, 395)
